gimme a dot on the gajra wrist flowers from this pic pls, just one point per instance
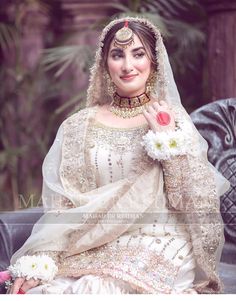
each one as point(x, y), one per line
point(166, 144)
point(41, 267)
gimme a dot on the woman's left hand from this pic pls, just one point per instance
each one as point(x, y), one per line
point(159, 117)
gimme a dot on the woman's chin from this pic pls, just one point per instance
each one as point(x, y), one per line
point(129, 91)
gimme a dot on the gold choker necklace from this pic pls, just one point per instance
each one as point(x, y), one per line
point(128, 107)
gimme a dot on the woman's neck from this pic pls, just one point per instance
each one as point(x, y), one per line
point(130, 95)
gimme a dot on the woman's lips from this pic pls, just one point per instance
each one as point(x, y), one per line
point(128, 77)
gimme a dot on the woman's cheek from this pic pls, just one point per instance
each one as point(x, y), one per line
point(143, 64)
point(114, 66)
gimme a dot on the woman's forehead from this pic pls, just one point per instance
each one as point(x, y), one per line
point(137, 43)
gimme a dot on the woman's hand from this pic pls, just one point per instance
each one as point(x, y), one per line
point(23, 284)
point(159, 117)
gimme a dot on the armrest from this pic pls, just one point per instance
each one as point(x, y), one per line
point(15, 228)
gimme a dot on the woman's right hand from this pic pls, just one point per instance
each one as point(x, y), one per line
point(153, 111)
point(23, 284)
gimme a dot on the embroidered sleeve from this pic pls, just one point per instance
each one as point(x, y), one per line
point(190, 188)
point(190, 183)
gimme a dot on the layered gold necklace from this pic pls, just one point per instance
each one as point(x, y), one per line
point(128, 107)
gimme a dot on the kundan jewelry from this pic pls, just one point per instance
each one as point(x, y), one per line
point(150, 84)
point(163, 118)
point(128, 107)
point(111, 88)
point(124, 37)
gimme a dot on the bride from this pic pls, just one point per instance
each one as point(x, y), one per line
point(131, 201)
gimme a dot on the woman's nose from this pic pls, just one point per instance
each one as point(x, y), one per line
point(127, 65)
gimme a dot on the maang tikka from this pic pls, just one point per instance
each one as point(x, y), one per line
point(124, 37)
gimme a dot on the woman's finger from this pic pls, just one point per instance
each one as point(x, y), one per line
point(151, 120)
point(29, 284)
point(156, 106)
point(147, 115)
point(151, 111)
point(163, 104)
point(16, 285)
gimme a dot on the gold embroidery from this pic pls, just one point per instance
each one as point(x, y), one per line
point(191, 189)
point(122, 148)
point(118, 140)
point(75, 175)
point(141, 267)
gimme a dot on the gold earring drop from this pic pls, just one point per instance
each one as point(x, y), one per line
point(151, 82)
point(111, 88)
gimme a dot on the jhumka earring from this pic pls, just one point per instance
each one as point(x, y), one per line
point(150, 84)
point(111, 88)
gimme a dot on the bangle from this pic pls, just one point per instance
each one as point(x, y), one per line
point(41, 267)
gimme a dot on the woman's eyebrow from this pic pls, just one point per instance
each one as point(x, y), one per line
point(116, 50)
point(138, 48)
point(121, 50)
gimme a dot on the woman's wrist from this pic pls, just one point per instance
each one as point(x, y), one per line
point(165, 145)
point(40, 267)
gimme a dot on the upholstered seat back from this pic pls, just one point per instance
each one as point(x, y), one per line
point(216, 122)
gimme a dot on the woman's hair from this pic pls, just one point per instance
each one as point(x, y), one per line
point(145, 35)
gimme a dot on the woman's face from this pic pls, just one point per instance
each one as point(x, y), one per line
point(129, 68)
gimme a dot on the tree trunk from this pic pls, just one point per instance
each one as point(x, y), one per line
point(221, 48)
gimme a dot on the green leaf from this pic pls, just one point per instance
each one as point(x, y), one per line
point(8, 155)
point(8, 36)
point(64, 56)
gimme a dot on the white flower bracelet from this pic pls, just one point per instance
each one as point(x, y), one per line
point(41, 267)
point(164, 145)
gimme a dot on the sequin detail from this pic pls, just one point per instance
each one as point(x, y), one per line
point(190, 188)
point(74, 172)
point(142, 268)
point(115, 152)
point(118, 140)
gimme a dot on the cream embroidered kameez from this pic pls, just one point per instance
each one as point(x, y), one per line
point(153, 257)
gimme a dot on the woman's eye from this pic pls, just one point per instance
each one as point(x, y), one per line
point(117, 56)
point(139, 55)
